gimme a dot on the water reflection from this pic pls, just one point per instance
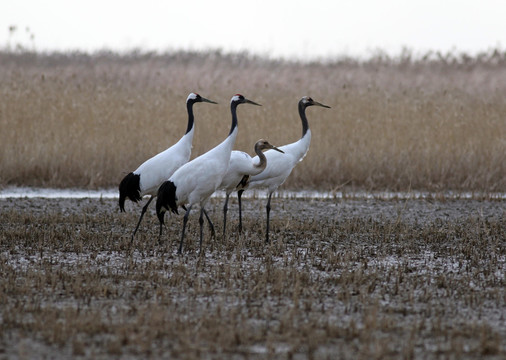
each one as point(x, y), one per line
point(28, 192)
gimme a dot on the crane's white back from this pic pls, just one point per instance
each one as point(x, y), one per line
point(157, 169)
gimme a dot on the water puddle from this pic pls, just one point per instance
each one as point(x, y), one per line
point(48, 193)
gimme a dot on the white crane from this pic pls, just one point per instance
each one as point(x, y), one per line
point(147, 178)
point(240, 168)
point(279, 166)
point(198, 179)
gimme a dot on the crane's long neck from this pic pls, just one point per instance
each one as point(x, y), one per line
point(227, 144)
point(189, 108)
point(302, 113)
point(233, 110)
point(263, 160)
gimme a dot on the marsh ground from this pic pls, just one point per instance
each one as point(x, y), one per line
point(350, 279)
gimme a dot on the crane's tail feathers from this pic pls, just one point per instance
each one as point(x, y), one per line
point(166, 199)
point(129, 188)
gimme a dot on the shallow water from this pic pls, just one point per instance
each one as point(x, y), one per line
point(49, 193)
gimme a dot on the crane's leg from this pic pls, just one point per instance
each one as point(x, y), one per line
point(239, 194)
point(140, 219)
point(162, 223)
point(160, 233)
point(185, 220)
point(225, 209)
point(160, 214)
point(268, 208)
point(211, 226)
point(201, 223)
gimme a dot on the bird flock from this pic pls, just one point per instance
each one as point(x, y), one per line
point(175, 181)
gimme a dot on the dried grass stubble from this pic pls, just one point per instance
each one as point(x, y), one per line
point(377, 285)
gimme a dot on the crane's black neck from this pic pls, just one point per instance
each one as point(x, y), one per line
point(233, 110)
point(302, 113)
point(189, 108)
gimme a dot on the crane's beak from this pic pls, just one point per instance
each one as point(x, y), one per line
point(275, 148)
point(246, 101)
point(207, 100)
point(320, 104)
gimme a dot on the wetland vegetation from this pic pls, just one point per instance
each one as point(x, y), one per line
point(352, 278)
point(357, 279)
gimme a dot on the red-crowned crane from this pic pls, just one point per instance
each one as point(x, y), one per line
point(240, 168)
point(279, 166)
point(194, 182)
point(147, 178)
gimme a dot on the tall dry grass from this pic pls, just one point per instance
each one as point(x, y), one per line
point(86, 120)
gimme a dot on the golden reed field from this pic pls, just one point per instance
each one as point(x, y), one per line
point(78, 120)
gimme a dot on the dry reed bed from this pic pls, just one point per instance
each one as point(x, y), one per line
point(362, 279)
point(86, 120)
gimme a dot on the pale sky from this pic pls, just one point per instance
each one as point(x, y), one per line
point(285, 28)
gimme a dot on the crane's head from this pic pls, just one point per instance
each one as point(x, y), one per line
point(239, 99)
point(194, 98)
point(265, 145)
point(307, 101)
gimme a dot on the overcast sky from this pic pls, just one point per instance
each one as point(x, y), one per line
point(285, 28)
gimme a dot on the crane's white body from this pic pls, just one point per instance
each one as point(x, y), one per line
point(240, 164)
point(160, 167)
point(198, 179)
point(148, 177)
point(279, 166)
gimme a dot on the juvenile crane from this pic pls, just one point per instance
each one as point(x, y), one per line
point(198, 179)
point(240, 168)
point(147, 178)
point(280, 166)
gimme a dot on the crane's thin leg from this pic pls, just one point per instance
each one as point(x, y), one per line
point(160, 233)
point(268, 208)
point(140, 219)
point(211, 226)
point(162, 223)
point(201, 223)
point(239, 194)
point(225, 209)
point(185, 220)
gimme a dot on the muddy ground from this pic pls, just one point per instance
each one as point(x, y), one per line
point(341, 279)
